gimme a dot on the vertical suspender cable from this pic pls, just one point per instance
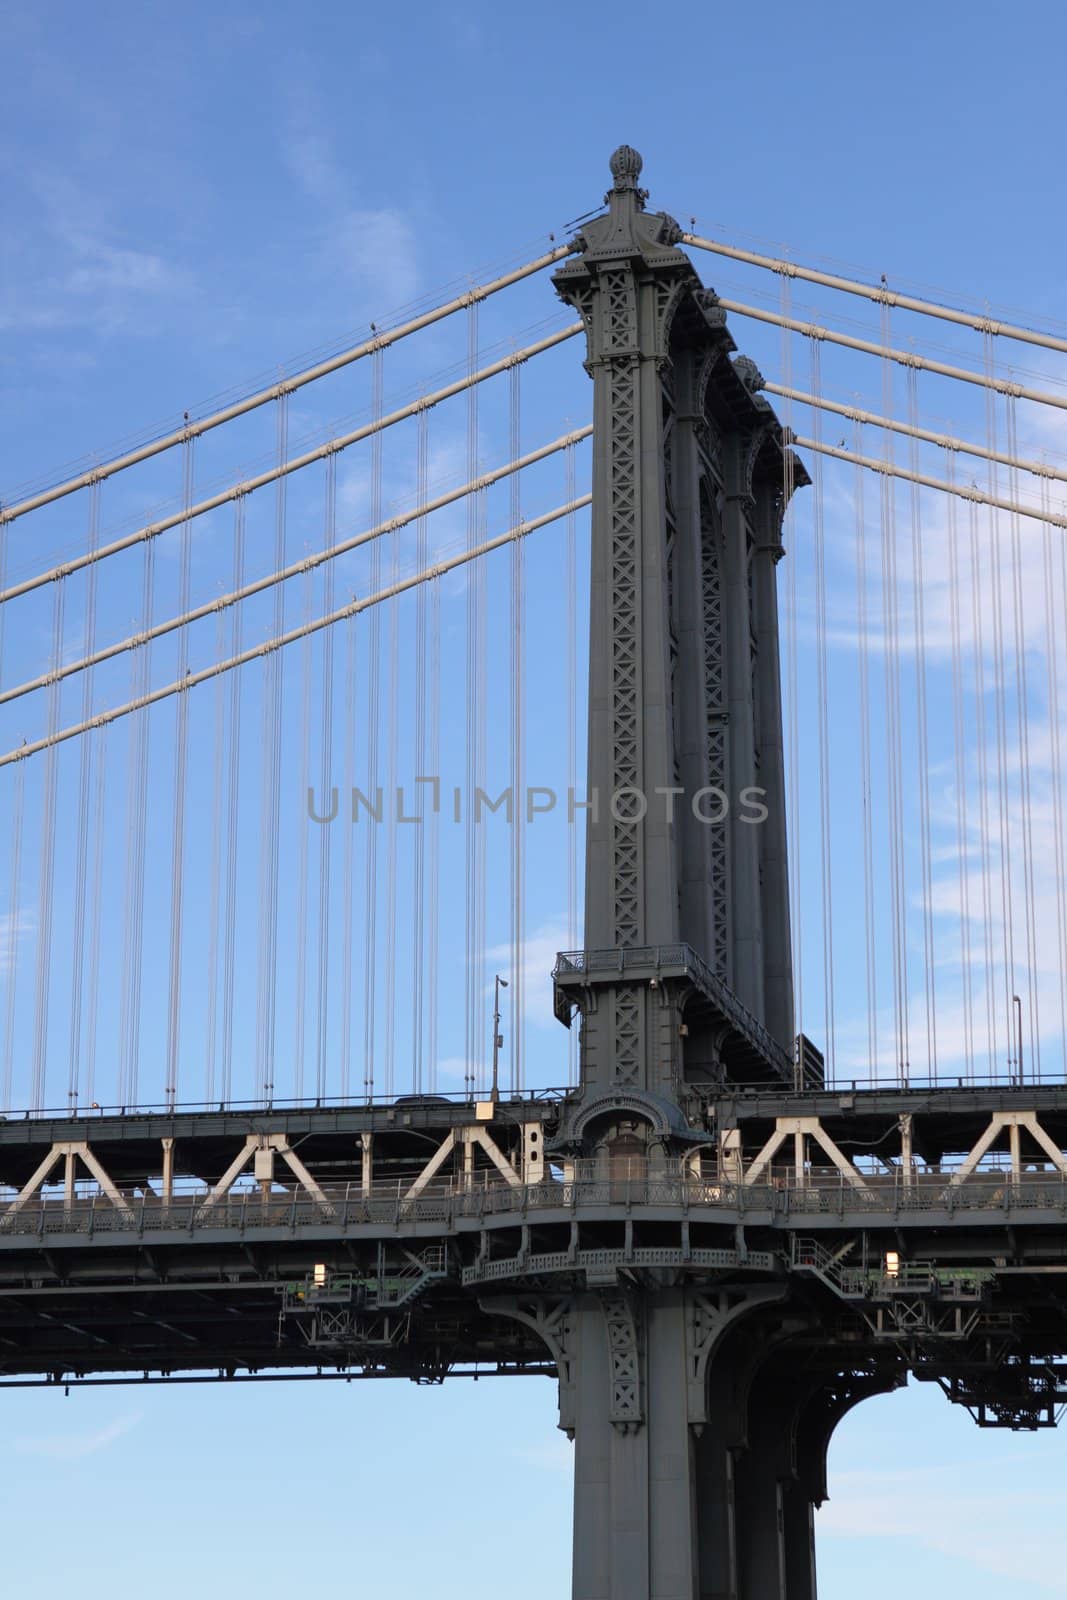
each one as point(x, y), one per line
point(233, 782)
point(822, 679)
point(270, 788)
point(960, 785)
point(422, 600)
point(136, 824)
point(473, 696)
point(986, 840)
point(303, 843)
point(177, 868)
point(518, 745)
point(434, 843)
point(322, 1007)
point(1007, 906)
point(1059, 788)
point(211, 1054)
point(348, 871)
point(918, 592)
point(393, 621)
point(480, 578)
point(374, 641)
point(1056, 762)
point(796, 852)
point(893, 742)
point(886, 514)
point(571, 586)
point(1022, 688)
point(96, 899)
point(81, 864)
point(46, 878)
point(865, 758)
point(13, 929)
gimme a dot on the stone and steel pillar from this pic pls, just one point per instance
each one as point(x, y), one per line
point(686, 910)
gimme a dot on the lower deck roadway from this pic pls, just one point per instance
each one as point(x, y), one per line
point(404, 1287)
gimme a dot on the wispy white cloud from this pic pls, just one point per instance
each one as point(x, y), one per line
point(76, 1446)
point(15, 929)
point(919, 1504)
point(102, 267)
point(77, 267)
point(379, 249)
point(537, 957)
point(374, 247)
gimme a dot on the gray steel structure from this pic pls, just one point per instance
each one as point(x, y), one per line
point(691, 1244)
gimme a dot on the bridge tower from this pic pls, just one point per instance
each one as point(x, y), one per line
point(686, 972)
point(685, 981)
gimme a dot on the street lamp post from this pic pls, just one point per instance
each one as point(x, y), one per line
point(498, 1037)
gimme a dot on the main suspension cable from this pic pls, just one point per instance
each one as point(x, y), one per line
point(307, 563)
point(285, 386)
point(904, 358)
point(268, 646)
point(881, 294)
point(284, 468)
point(946, 486)
point(1040, 469)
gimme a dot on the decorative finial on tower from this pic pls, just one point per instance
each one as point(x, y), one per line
point(626, 167)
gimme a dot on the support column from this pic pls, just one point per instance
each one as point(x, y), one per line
point(634, 1500)
point(716, 1515)
point(654, 1464)
point(760, 1523)
point(774, 875)
point(654, 1391)
point(747, 970)
point(798, 1541)
point(699, 911)
point(774, 1525)
point(168, 1171)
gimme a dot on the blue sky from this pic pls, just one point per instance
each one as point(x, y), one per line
point(196, 196)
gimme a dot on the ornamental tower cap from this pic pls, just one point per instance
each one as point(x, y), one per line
point(626, 164)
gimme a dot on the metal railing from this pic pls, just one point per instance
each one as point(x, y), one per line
point(658, 957)
point(389, 1205)
point(270, 1106)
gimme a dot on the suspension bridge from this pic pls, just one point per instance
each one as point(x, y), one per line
point(769, 1118)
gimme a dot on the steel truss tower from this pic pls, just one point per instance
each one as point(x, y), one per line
point(687, 1483)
